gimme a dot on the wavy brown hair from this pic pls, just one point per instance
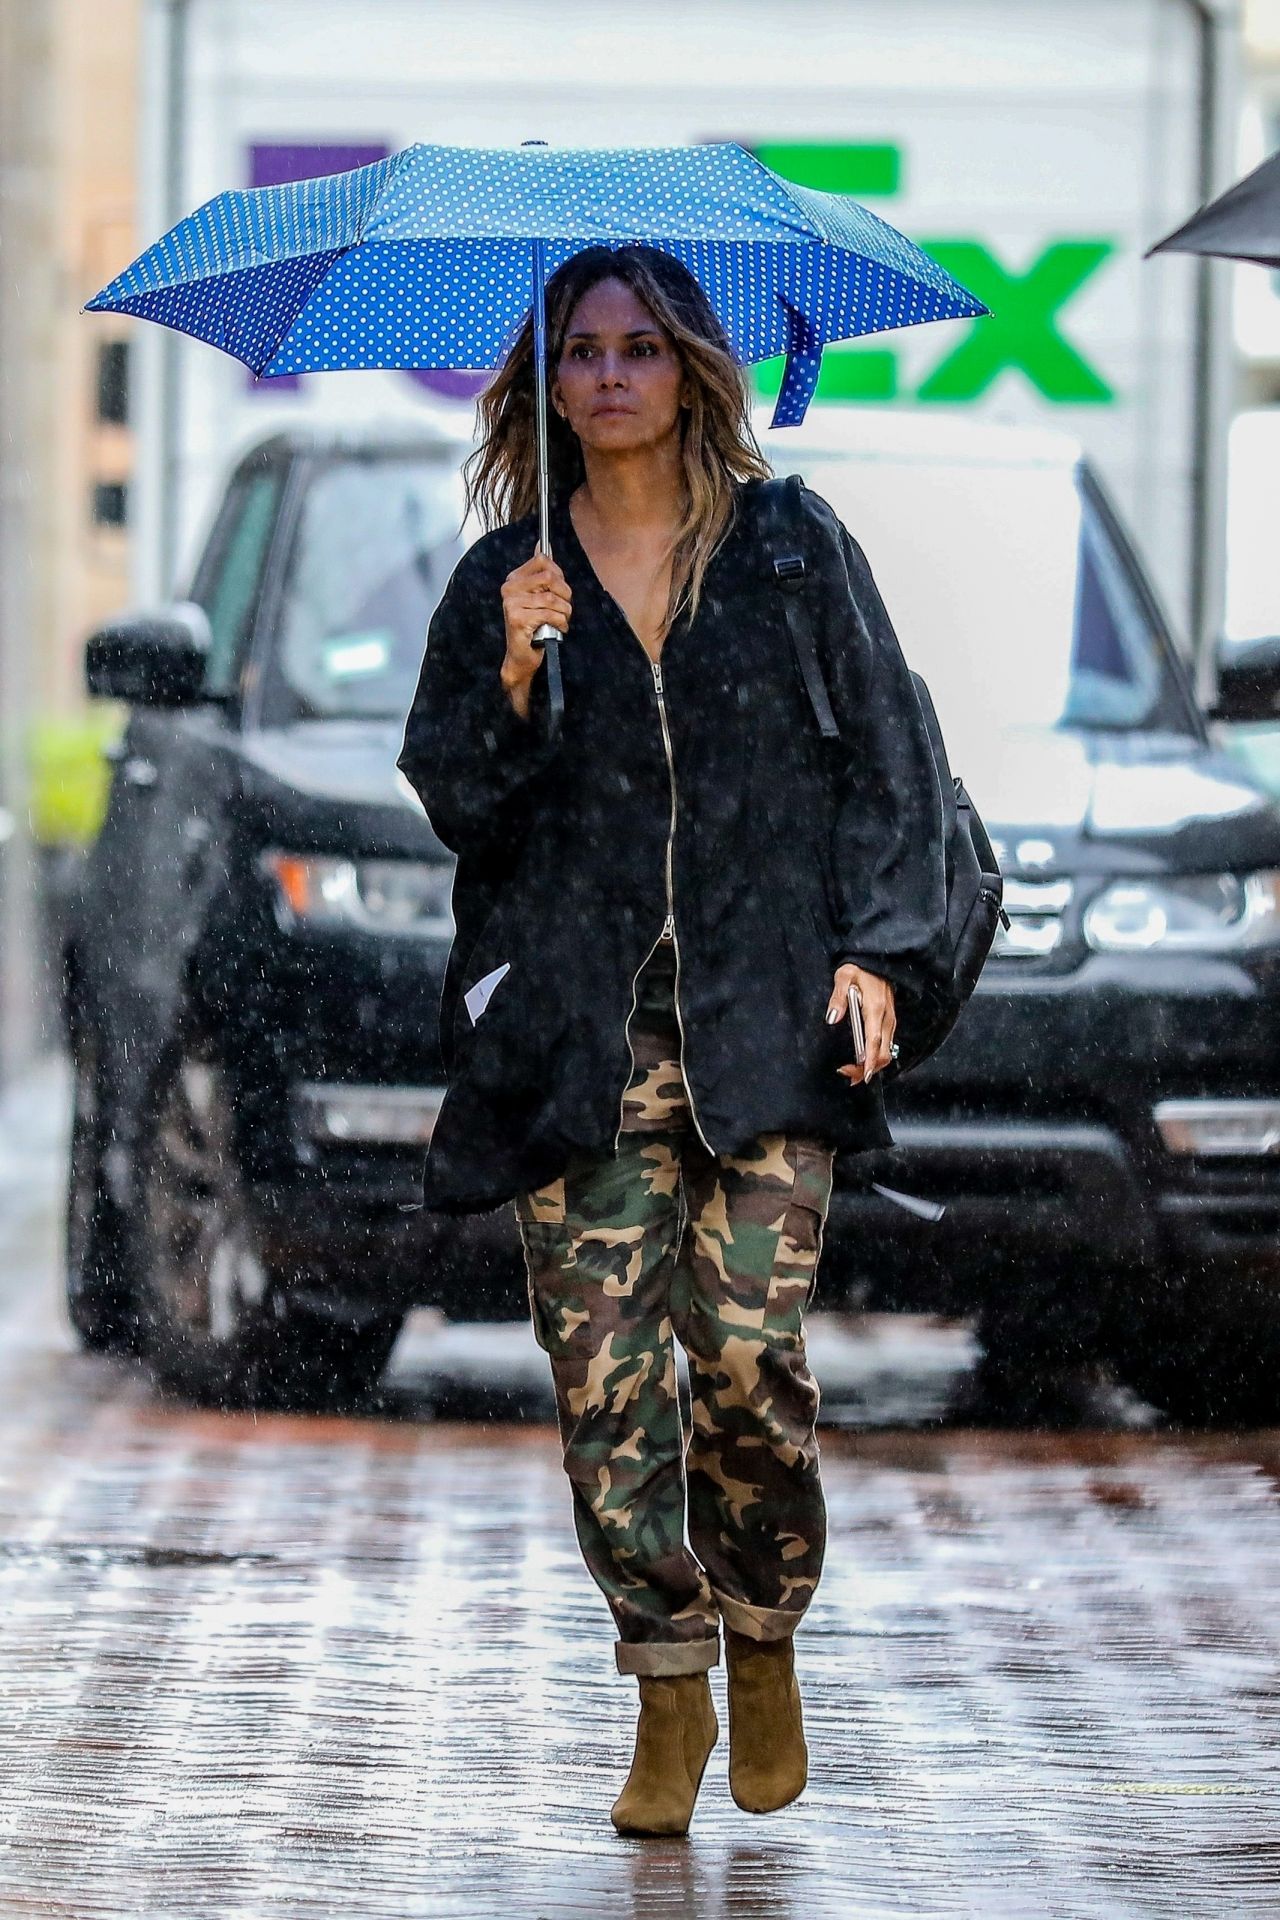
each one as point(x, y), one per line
point(718, 446)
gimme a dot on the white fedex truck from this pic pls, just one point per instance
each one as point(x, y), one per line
point(1036, 147)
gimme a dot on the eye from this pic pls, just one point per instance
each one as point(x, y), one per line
point(645, 346)
point(579, 350)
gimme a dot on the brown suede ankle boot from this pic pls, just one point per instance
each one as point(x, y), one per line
point(674, 1738)
point(768, 1759)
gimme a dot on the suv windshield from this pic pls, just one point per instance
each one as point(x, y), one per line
point(1006, 584)
point(375, 543)
point(1011, 595)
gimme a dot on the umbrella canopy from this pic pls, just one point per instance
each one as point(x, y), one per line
point(426, 258)
point(1241, 224)
point(434, 256)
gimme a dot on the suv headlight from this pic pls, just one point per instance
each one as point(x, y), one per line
point(1198, 912)
point(380, 896)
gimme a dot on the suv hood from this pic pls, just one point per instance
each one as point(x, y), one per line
point(1164, 801)
point(337, 781)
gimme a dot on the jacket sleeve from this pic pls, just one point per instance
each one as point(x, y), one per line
point(888, 853)
point(467, 753)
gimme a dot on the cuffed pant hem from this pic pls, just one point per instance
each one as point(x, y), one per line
point(758, 1623)
point(667, 1656)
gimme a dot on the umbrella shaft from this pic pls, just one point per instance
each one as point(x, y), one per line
point(540, 393)
point(546, 635)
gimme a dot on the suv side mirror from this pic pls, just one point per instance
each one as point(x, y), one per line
point(1248, 680)
point(151, 659)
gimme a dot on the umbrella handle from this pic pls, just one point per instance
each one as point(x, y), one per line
point(550, 637)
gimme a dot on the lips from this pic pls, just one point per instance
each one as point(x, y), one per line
point(597, 411)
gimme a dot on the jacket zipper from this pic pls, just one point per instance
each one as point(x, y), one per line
point(622, 1104)
point(669, 927)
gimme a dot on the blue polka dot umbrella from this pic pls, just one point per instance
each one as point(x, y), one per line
point(433, 257)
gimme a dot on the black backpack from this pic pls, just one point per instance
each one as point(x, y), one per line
point(975, 886)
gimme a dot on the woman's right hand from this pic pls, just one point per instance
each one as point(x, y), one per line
point(532, 594)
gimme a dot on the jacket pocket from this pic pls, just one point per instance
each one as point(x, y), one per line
point(480, 961)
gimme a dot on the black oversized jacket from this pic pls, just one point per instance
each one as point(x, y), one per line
point(779, 853)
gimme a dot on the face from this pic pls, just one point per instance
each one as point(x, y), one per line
point(619, 383)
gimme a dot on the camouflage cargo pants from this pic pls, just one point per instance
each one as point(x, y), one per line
point(627, 1252)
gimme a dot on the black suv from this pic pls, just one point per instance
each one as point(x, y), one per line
point(254, 968)
point(1102, 1128)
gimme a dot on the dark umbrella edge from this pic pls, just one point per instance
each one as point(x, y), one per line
point(1208, 232)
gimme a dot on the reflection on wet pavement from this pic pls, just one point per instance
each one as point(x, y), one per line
point(258, 1667)
point(875, 1370)
point(290, 1667)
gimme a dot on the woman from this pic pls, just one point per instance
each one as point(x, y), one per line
point(661, 912)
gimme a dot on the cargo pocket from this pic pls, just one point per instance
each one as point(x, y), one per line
point(804, 1227)
point(550, 1257)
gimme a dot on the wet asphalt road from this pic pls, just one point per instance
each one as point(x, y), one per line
point(259, 1667)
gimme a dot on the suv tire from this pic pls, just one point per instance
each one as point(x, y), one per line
point(1050, 1356)
point(1204, 1345)
point(220, 1325)
point(101, 1305)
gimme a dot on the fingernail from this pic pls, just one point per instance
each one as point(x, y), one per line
point(833, 1014)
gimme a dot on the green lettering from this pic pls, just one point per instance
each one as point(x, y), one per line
point(848, 374)
point(862, 168)
point(1020, 330)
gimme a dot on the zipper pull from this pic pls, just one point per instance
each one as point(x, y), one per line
point(657, 674)
point(669, 927)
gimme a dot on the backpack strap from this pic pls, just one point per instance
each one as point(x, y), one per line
point(783, 529)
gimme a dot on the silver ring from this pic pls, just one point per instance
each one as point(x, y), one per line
point(893, 1051)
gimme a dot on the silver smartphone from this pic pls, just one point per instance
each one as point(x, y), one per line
point(855, 1021)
